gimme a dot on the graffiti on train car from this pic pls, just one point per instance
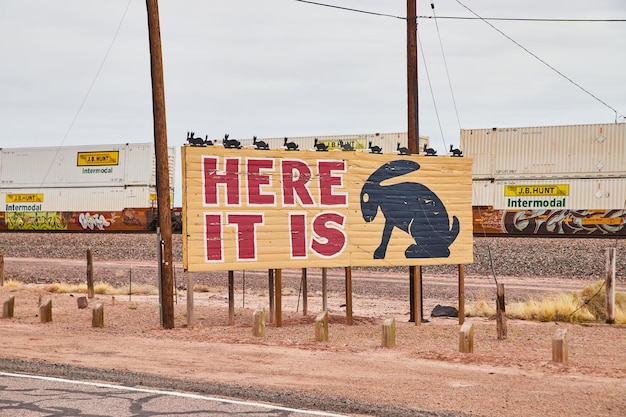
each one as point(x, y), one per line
point(550, 222)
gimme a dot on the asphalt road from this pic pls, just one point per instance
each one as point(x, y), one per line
point(23, 395)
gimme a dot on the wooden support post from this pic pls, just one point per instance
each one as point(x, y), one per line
point(258, 322)
point(305, 290)
point(82, 303)
point(321, 327)
point(610, 286)
point(97, 319)
point(500, 312)
point(415, 274)
point(191, 315)
point(461, 269)
point(389, 333)
point(8, 308)
point(278, 291)
point(324, 289)
point(1, 270)
point(231, 298)
point(89, 274)
point(45, 312)
point(559, 346)
point(348, 296)
point(466, 338)
point(270, 286)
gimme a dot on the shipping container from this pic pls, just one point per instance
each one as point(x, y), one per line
point(553, 180)
point(93, 187)
point(575, 151)
point(81, 166)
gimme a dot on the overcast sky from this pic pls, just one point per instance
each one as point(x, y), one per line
point(275, 68)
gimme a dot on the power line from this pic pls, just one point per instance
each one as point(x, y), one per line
point(617, 114)
point(513, 19)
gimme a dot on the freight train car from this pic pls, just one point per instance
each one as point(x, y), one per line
point(548, 181)
point(81, 188)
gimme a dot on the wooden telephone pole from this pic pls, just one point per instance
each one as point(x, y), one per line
point(166, 281)
point(411, 45)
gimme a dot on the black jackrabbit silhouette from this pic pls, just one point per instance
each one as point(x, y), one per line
point(403, 150)
point(375, 149)
point(194, 141)
point(319, 146)
point(291, 146)
point(411, 207)
point(231, 143)
point(429, 151)
point(259, 144)
point(455, 152)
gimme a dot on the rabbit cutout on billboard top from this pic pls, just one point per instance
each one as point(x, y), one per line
point(411, 207)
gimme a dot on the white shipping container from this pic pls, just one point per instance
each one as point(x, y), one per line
point(388, 142)
point(552, 194)
point(574, 151)
point(80, 166)
point(78, 199)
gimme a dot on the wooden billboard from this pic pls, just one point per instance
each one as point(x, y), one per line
point(249, 209)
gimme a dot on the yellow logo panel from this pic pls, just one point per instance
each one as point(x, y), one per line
point(24, 198)
point(535, 190)
point(90, 159)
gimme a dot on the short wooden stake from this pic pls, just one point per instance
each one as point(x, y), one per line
point(258, 324)
point(321, 327)
point(389, 333)
point(348, 271)
point(98, 316)
point(45, 312)
point(500, 312)
point(191, 316)
point(90, 292)
point(466, 338)
point(1, 270)
point(231, 298)
point(610, 286)
point(82, 302)
point(559, 346)
point(8, 307)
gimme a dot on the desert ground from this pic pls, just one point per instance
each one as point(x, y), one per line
point(351, 373)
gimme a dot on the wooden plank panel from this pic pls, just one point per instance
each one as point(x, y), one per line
point(248, 209)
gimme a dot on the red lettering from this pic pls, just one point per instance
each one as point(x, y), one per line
point(296, 177)
point(246, 234)
point(213, 177)
point(329, 181)
point(329, 239)
point(297, 228)
point(256, 180)
point(213, 238)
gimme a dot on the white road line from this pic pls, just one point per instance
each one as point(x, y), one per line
point(172, 394)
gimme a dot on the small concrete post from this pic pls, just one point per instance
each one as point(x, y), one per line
point(7, 308)
point(98, 316)
point(45, 312)
point(258, 322)
point(389, 333)
point(466, 338)
point(321, 327)
point(82, 302)
point(559, 346)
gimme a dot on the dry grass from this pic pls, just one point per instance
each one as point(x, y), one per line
point(587, 306)
point(100, 288)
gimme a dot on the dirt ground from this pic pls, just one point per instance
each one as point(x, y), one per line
point(425, 371)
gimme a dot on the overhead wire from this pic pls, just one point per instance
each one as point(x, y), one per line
point(617, 114)
point(93, 83)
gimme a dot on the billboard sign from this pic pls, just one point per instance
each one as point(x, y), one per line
point(249, 209)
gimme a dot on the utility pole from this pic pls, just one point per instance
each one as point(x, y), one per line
point(411, 46)
point(166, 281)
